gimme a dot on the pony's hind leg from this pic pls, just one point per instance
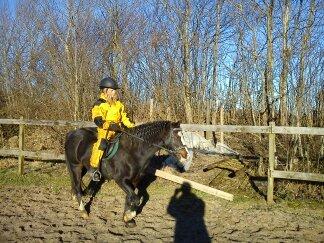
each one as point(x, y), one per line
point(76, 176)
point(76, 182)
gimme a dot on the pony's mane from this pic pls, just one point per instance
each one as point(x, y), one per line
point(152, 131)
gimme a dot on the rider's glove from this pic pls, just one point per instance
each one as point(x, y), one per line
point(106, 125)
point(114, 127)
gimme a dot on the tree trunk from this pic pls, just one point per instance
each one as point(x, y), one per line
point(283, 112)
point(269, 66)
point(71, 55)
point(303, 53)
point(301, 80)
point(218, 8)
point(186, 62)
point(202, 95)
point(76, 80)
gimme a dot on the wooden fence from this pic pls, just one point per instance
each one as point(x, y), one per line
point(271, 130)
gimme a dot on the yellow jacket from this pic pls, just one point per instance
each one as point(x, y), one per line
point(103, 114)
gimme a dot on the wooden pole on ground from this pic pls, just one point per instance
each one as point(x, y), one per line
point(194, 185)
point(21, 147)
point(272, 149)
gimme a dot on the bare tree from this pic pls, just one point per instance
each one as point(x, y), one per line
point(268, 73)
point(218, 10)
point(184, 37)
point(286, 53)
point(304, 50)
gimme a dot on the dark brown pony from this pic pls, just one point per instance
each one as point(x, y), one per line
point(137, 146)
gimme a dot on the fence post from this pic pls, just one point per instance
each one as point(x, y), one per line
point(208, 133)
point(169, 115)
point(21, 147)
point(221, 123)
point(272, 149)
point(151, 108)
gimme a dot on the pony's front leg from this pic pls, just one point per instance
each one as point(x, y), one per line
point(84, 212)
point(132, 202)
point(93, 187)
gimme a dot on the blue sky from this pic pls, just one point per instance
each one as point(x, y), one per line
point(10, 3)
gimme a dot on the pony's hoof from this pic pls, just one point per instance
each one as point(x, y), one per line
point(129, 215)
point(130, 224)
point(84, 214)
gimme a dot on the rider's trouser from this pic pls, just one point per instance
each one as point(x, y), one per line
point(97, 153)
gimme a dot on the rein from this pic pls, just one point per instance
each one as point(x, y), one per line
point(174, 151)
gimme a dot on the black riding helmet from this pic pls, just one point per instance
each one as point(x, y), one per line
point(108, 83)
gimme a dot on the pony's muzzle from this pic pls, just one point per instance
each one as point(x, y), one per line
point(187, 159)
point(183, 153)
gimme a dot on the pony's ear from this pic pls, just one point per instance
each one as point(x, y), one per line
point(176, 124)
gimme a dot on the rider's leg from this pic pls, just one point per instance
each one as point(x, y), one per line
point(97, 153)
point(94, 161)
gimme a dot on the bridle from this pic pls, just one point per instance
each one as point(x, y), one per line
point(170, 151)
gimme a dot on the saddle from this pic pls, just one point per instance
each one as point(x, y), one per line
point(110, 147)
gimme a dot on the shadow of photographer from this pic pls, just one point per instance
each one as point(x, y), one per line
point(188, 211)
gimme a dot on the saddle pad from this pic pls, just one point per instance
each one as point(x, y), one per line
point(112, 147)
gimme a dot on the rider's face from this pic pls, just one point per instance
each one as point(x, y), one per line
point(111, 94)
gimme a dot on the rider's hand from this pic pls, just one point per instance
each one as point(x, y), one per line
point(114, 127)
point(106, 125)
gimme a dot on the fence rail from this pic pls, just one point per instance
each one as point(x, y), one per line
point(255, 129)
point(298, 175)
point(38, 155)
point(188, 127)
point(47, 123)
point(271, 130)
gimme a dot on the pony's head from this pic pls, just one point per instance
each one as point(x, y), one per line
point(165, 135)
point(178, 146)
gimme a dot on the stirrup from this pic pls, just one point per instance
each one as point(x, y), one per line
point(96, 175)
